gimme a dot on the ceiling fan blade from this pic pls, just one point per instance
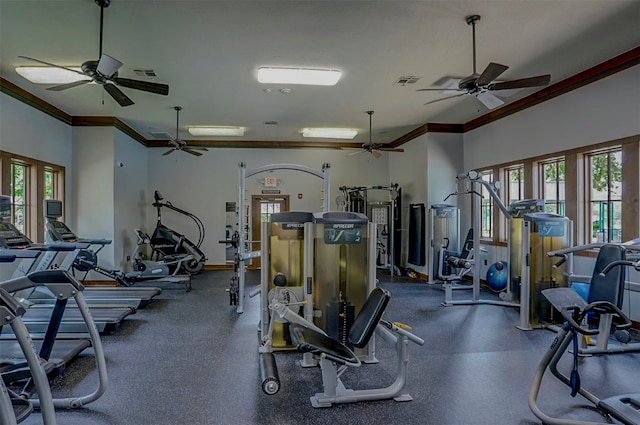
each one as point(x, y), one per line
point(445, 98)
point(174, 143)
point(540, 80)
point(117, 95)
point(169, 151)
point(489, 100)
point(357, 152)
point(376, 154)
point(147, 86)
point(108, 66)
point(442, 89)
point(192, 152)
point(68, 85)
point(52, 64)
point(490, 73)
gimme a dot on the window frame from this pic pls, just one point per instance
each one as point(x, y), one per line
point(34, 188)
point(609, 227)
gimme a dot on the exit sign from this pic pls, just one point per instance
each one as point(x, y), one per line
point(270, 182)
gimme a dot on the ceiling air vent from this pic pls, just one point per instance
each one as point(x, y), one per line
point(150, 73)
point(163, 135)
point(403, 81)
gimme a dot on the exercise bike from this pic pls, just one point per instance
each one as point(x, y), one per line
point(573, 308)
point(167, 242)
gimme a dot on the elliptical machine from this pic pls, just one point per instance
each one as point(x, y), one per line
point(165, 269)
point(167, 242)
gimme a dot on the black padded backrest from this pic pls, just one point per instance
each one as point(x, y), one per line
point(468, 245)
point(369, 316)
point(611, 286)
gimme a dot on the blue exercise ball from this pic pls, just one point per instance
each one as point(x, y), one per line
point(497, 276)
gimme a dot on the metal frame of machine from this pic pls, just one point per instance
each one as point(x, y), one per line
point(243, 253)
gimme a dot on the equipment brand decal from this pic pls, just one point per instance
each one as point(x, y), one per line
point(292, 226)
point(343, 226)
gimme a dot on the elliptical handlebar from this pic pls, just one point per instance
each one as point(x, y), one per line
point(575, 315)
point(158, 197)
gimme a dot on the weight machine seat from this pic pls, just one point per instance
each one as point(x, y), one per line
point(609, 287)
point(308, 340)
point(625, 408)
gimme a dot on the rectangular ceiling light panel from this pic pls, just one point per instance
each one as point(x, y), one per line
point(50, 74)
point(330, 133)
point(217, 131)
point(316, 77)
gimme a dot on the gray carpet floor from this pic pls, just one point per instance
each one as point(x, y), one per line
point(189, 358)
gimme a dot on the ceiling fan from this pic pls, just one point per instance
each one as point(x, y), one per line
point(180, 145)
point(105, 73)
point(483, 85)
point(375, 148)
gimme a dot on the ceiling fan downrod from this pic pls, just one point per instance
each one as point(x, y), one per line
point(178, 109)
point(472, 20)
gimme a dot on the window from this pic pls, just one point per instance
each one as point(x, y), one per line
point(19, 194)
point(268, 208)
point(486, 209)
point(50, 184)
point(552, 184)
point(604, 214)
point(29, 181)
point(514, 191)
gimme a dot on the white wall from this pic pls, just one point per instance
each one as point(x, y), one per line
point(93, 188)
point(202, 185)
point(131, 194)
point(28, 132)
point(605, 110)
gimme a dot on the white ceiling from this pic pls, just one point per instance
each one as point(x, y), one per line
point(208, 53)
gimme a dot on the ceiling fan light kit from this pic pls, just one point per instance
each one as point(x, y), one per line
point(306, 76)
point(375, 148)
point(104, 72)
point(330, 133)
point(180, 145)
point(483, 85)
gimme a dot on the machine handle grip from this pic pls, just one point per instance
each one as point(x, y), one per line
point(613, 264)
point(568, 312)
point(563, 259)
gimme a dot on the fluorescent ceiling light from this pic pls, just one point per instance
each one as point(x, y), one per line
point(330, 133)
point(217, 131)
point(316, 77)
point(50, 74)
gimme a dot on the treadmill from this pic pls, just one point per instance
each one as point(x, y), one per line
point(37, 317)
point(57, 231)
point(105, 296)
point(13, 408)
point(65, 286)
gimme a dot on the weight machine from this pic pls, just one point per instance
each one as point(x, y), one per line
point(383, 214)
point(241, 240)
point(472, 183)
point(605, 270)
point(540, 233)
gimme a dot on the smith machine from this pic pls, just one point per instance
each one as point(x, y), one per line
point(241, 240)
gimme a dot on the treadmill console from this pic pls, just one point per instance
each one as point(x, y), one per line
point(11, 237)
point(60, 232)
